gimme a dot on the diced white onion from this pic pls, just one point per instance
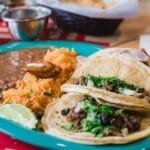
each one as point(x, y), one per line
point(79, 107)
point(90, 83)
point(128, 92)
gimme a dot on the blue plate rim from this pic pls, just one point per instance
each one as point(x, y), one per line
point(46, 141)
point(39, 44)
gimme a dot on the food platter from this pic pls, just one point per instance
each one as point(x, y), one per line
point(50, 142)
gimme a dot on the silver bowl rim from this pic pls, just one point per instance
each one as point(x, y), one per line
point(36, 8)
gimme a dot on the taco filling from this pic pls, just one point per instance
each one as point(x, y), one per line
point(100, 119)
point(113, 84)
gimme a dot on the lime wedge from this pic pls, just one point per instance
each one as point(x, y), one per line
point(18, 113)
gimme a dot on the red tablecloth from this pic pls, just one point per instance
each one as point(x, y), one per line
point(58, 34)
point(6, 142)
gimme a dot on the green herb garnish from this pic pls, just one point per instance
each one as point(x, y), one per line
point(100, 135)
point(105, 109)
point(68, 126)
point(110, 127)
point(95, 117)
point(97, 130)
point(92, 122)
point(118, 112)
point(113, 82)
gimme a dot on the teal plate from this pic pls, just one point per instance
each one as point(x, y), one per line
point(50, 142)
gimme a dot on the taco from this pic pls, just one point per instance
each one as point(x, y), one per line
point(118, 78)
point(141, 55)
point(85, 119)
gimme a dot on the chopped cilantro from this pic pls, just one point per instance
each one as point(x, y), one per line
point(114, 83)
point(87, 103)
point(97, 129)
point(118, 112)
point(92, 109)
point(110, 127)
point(105, 109)
point(88, 125)
point(95, 117)
point(100, 135)
point(89, 106)
point(68, 126)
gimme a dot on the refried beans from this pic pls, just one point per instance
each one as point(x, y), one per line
point(29, 89)
point(11, 64)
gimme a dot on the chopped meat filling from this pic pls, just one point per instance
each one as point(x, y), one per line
point(101, 120)
point(113, 84)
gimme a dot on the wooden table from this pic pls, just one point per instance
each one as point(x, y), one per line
point(131, 29)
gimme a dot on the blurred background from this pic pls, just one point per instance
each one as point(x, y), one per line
point(27, 20)
point(122, 33)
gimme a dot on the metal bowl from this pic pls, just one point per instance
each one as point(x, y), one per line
point(28, 22)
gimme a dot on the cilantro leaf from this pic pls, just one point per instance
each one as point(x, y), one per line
point(106, 109)
point(119, 112)
point(68, 126)
point(113, 82)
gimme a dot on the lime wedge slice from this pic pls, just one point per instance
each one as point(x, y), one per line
point(19, 114)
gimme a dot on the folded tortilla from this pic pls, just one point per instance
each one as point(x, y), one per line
point(115, 99)
point(120, 65)
point(123, 66)
point(140, 55)
point(53, 121)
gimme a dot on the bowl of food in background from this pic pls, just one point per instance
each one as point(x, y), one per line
point(15, 3)
point(76, 16)
point(85, 25)
point(27, 22)
point(95, 17)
